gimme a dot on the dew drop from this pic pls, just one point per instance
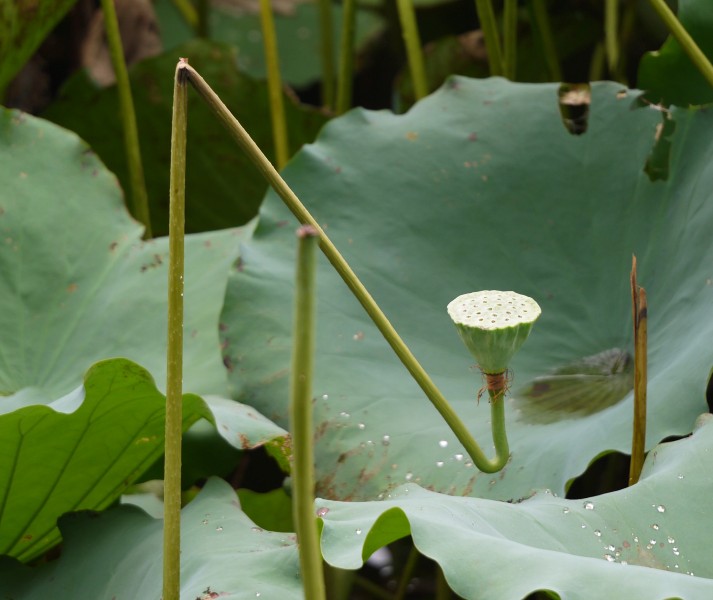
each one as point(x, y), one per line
point(636, 539)
point(386, 440)
point(258, 594)
point(443, 444)
point(584, 525)
point(357, 531)
point(680, 475)
point(256, 529)
point(458, 456)
point(219, 528)
point(611, 548)
point(322, 511)
point(204, 522)
point(661, 508)
point(467, 463)
point(409, 476)
point(609, 557)
point(671, 540)
point(439, 464)
point(597, 533)
point(361, 426)
point(565, 510)
point(655, 526)
point(344, 414)
point(588, 506)
point(675, 551)
point(325, 396)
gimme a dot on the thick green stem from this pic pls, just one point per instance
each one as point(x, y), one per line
point(346, 57)
point(412, 41)
point(174, 377)
point(510, 39)
point(274, 85)
point(348, 276)
point(684, 38)
point(139, 203)
point(301, 416)
point(543, 32)
point(327, 50)
point(489, 26)
point(640, 314)
point(611, 34)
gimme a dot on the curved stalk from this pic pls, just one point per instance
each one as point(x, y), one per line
point(174, 376)
point(274, 85)
point(301, 416)
point(357, 288)
point(139, 201)
point(412, 41)
point(682, 36)
point(346, 57)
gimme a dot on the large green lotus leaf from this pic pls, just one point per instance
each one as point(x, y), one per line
point(118, 554)
point(23, 26)
point(79, 452)
point(576, 548)
point(78, 283)
point(223, 188)
point(668, 75)
point(480, 186)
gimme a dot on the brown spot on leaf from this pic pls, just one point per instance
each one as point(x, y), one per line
point(72, 287)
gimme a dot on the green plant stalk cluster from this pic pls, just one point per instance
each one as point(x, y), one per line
point(274, 84)
point(349, 277)
point(412, 41)
point(543, 32)
point(678, 31)
point(139, 198)
point(301, 416)
point(611, 33)
point(174, 376)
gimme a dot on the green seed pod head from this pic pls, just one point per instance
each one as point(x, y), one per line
point(493, 325)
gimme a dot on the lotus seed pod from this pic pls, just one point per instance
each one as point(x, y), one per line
point(493, 325)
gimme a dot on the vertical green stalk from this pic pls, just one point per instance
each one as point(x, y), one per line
point(139, 203)
point(174, 376)
point(301, 416)
point(412, 41)
point(596, 65)
point(407, 574)
point(510, 39)
point(679, 32)
point(188, 12)
point(640, 313)
point(327, 51)
point(486, 16)
point(543, 32)
point(611, 34)
point(346, 57)
point(203, 13)
point(357, 288)
point(274, 85)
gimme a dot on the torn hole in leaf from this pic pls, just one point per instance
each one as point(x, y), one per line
point(657, 163)
point(608, 472)
point(709, 391)
point(574, 101)
point(578, 389)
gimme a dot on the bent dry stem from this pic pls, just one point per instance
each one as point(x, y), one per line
point(348, 276)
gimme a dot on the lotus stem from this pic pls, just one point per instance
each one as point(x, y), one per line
point(639, 311)
point(412, 42)
point(543, 32)
point(174, 377)
point(138, 198)
point(327, 51)
point(357, 288)
point(678, 31)
point(510, 39)
point(611, 33)
point(301, 416)
point(486, 16)
point(274, 84)
point(346, 57)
